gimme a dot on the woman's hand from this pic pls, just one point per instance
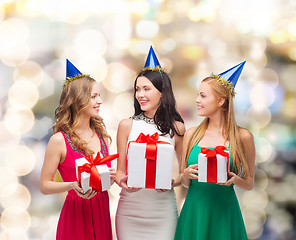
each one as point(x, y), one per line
point(190, 172)
point(112, 175)
point(161, 190)
point(232, 179)
point(88, 195)
point(123, 184)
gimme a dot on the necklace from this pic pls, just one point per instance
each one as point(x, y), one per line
point(144, 118)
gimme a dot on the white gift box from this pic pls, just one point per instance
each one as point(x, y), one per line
point(103, 170)
point(220, 174)
point(136, 165)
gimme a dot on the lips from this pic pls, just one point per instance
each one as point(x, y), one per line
point(143, 102)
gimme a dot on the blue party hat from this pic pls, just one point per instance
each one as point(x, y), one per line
point(71, 70)
point(72, 73)
point(152, 62)
point(230, 77)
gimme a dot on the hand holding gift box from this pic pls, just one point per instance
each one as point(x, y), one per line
point(213, 165)
point(93, 173)
point(150, 162)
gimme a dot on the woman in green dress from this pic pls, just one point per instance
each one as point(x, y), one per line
point(211, 211)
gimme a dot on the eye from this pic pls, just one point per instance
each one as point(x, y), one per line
point(147, 89)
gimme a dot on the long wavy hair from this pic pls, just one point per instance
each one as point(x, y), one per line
point(74, 99)
point(166, 114)
point(231, 130)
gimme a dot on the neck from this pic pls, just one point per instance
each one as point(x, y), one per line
point(217, 122)
point(84, 126)
point(149, 114)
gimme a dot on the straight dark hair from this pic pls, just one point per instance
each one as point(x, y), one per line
point(166, 114)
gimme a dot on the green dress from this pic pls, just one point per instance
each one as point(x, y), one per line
point(210, 211)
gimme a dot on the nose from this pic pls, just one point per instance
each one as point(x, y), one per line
point(197, 99)
point(140, 93)
point(99, 100)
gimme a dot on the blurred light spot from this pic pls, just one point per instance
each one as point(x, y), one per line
point(280, 221)
point(254, 220)
point(261, 95)
point(19, 121)
point(2, 12)
point(202, 12)
point(5, 235)
point(139, 7)
point(167, 64)
point(168, 45)
point(15, 220)
point(255, 199)
point(7, 177)
point(41, 128)
point(261, 181)
point(165, 17)
point(95, 65)
point(119, 78)
point(20, 159)
point(7, 139)
point(123, 105)
point(264, 150)
point(13, 31)
point(292, 54)
point(29, 71)
point(13, 47)
point(147, 29)
point(257, 48)
point(289, 107)
point(15, 56)
point(261, 116)
point(269, 76)
point(16, 196)
point(193, 52)
point(46, 88)
point(279, 36)
point(118, 32)
point(29, 7)
point(23, 95)
point(140, 47)
point(90, 41)
point(217, 48)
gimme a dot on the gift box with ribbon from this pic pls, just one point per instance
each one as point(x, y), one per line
point(213, 165)
point(150, 162)
point(93, 173)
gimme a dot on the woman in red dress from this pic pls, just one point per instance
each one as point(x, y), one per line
point(78, 131)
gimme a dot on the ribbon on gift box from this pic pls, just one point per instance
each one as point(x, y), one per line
point(150, 155)
point(211, 154)
point(95, 179)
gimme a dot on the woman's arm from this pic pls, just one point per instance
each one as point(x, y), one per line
point(249, 149)
point(124, 129)
point(54, 154)
point(189, 172)
point(178, 148)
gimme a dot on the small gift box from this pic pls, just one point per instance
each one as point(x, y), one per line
point(150, 163)
point(213, 165)
point(93, 173)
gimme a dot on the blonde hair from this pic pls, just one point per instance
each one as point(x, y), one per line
point(231, 130)
point(74, 99)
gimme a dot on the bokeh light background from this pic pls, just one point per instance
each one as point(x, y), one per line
point(110, 40)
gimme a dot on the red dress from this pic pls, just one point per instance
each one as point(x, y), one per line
point(81, 218)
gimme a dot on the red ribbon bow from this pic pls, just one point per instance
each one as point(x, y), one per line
point(95, 179)
point(150, 155)
point(212, 161)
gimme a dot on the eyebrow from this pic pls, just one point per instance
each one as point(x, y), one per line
point(143, 86)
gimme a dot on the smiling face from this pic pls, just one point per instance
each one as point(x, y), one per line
point(92, 109)
point(147, 95)
point(209, 103)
